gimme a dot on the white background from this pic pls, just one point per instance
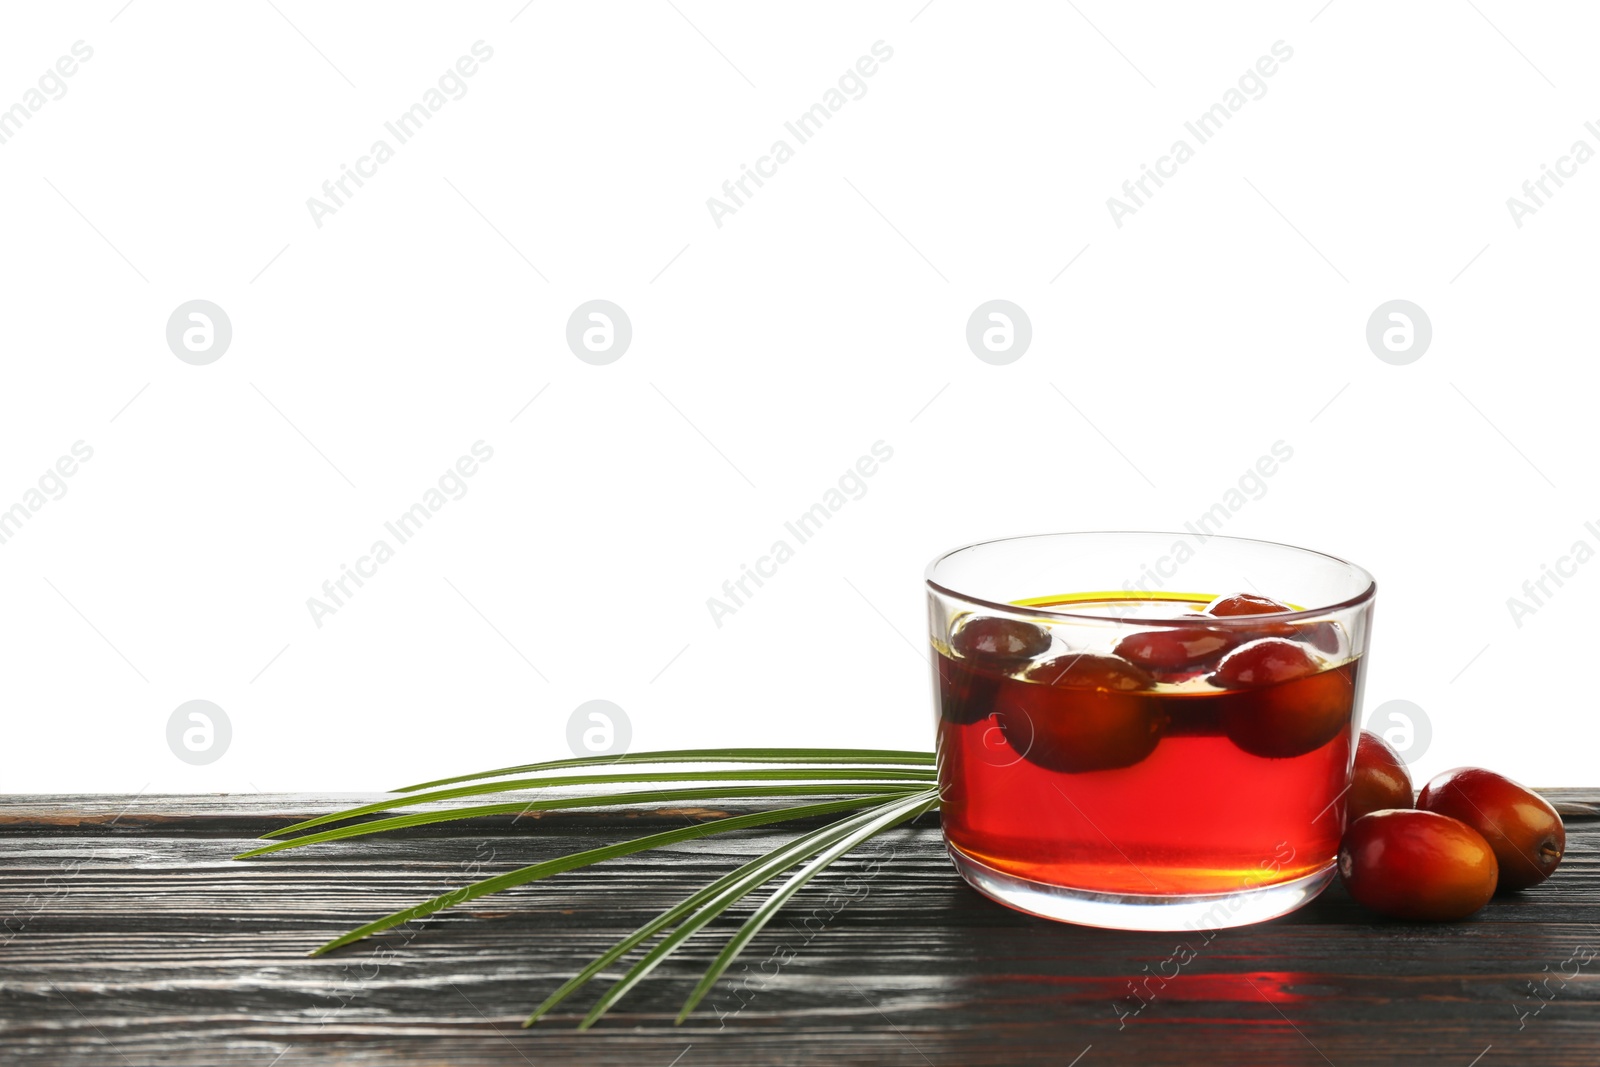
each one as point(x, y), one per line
point(768, 354)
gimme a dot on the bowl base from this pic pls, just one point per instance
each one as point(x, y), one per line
point(1135, 911)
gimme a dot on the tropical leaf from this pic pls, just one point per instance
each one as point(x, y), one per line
point(766, 865)
point(781, 775)
point(892, 817)
point(850, 831)
point(815, 756)
point(583, 859)
point(884, 787)
point(660, 796)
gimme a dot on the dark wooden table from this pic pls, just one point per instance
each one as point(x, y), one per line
point(131, 938)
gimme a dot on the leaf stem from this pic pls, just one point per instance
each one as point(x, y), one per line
point(583, 859)
point(660, 796)
point(772, 862)
point(853, 830)
point(895, 814)
point(704, 755)
point(798, 775)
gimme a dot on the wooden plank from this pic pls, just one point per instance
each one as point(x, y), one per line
point(130, 936)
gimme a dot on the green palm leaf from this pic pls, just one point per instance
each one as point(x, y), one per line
point(895, 814)
point(853, 830)
point(885, 787)
point(820, 756)
point(583, 859)
point(801, 774)
point(771, 863)
point(660, 796)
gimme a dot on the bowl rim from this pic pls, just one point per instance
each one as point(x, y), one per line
point(1234, 621)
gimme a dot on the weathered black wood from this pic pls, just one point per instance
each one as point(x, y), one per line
point(130, 937)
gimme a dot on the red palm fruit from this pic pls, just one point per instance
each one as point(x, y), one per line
point(1080, 712)
point(1325, 636)
point(1177, 648)
point(1380, 780)
point(1417, 865)
point(1244, 604)
point(1525, 832)
point(1264, 662)
point(1290, 718)
point(1000, 641)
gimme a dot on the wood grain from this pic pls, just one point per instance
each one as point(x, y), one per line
point(131, 937)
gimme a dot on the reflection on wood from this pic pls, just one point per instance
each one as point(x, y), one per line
point(131, 937)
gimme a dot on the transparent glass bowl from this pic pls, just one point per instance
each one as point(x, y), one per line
point(1109, 755)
